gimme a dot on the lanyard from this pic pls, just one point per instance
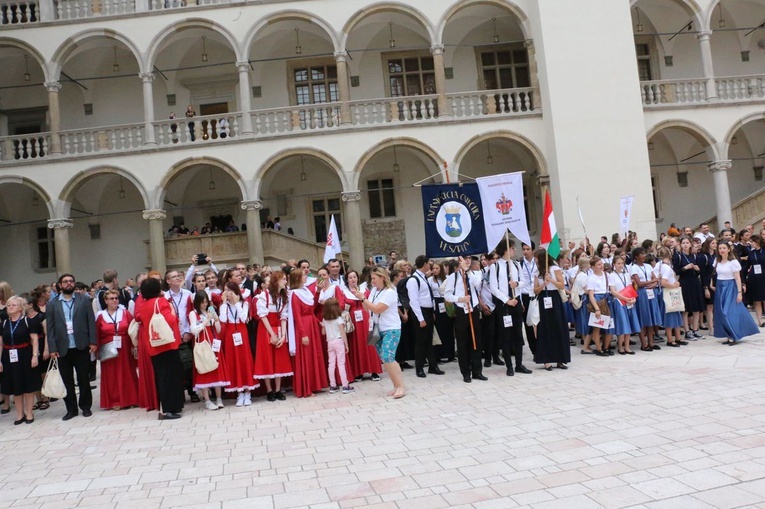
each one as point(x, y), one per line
point(533, 268)
point(687, 261)
point(624, 281)
point(13, 329)
point(236, 313)
point(178, 303)
point(278, 304)
point(645, 273)
point(114, 319)
point(69, 305)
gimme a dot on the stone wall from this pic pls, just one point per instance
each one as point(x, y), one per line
point(383, 236)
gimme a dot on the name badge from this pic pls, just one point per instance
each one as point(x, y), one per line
point(237, 337)
point(507, 320)
point(441, 307)
point(216, 345)
point(117, 341)
point(630, 306)
point(14, 355)
point(371, 325)
point(649, 292)
point(547, 302)
point(69, 327)
point(358, 316)
point(757, 269)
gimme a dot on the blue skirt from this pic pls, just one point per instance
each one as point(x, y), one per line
point(648, 309)
point(659, 291)
point(581, 317)
point(673, 320)
point(598, 298)
point(732, 320)
point(568, 310)
point(625, 320)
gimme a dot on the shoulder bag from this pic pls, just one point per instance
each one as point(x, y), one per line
point(204, 357)
point(108, 351)
point(53, 385)
point(602, 303)
point(374, 332)
point(160, 332)
point(673, 300)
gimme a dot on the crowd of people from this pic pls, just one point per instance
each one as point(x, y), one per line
point(250, 331)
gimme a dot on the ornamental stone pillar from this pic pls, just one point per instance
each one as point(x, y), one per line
point(60, 227)
point(148, 107)
point(353, 228)
point(706, 63)
point(343, 85)
point(444, 109)
point(156, 219)
point(244, 98)
point(719, 171)
point(254, 235)
point(55, 116)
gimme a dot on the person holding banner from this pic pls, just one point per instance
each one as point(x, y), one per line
point(732, 320)
point(597, 290)
point(506, 288)
point(647, 301)
point(623, 306)
point(467, 318)
point(552, 332)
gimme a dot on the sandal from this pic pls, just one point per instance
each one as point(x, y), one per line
point(36, 406)
point(586, 352)
point(646, 349)
point(44, 405)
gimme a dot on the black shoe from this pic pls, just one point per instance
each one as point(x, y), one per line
point(523, 369)
point(498, 362)
point(171, 415)
point(487, 363)
point(87, 413)
point(279, 395)
point(405, 365)
point(466, 379)
point(359, 378)
point(20, 421)
point(435, 371)
point(510, 371)
point(68, 416)
point(270, 396)
point(375, 377)
point(194, 398)
point(420, 373)
point(5, 411)
point(480, 377)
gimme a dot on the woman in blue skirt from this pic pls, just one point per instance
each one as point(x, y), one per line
point(673, 320)
point(647, 302)
point(622, 308)
point(732, 320)
point(581, 315)
point(597, 290)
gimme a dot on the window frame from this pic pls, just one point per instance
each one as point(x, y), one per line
point(403, 55)
point(380, 193)
point(479, 50)
point(293, 65)
point(652, 57)
point(50, 240)
point(327, 214)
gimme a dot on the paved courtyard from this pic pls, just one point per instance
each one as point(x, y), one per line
point(677, 428)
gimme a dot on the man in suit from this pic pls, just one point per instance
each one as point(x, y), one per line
point(72, 339)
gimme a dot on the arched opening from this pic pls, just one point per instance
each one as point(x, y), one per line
point(391, 201)
point(679, 156)
point(746, 150)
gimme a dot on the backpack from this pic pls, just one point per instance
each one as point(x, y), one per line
point(403, 294)
point(160, 332)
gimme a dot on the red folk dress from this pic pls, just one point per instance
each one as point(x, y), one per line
point(236, 349)
point(147, 387)
point(119, 379)
point(363, 358)
point(218, 377)
point(310, 368)
point(271, 362)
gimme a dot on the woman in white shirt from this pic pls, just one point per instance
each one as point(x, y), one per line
point(647, 303)
point(732, 320)
point(673, 320)
point(597, 290)
point(581, 315)
point(382, 304)
point(623, 309)
point(552, 331)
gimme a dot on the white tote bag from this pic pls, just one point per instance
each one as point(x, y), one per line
point(160, 332)
point(204, 357)
point(53, 385)
point(532, 317)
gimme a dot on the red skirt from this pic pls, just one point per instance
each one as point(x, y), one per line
point(238, 359)
point(119, 379)
point(310, 369)
point(216, 378)
point(362, 357)
point(271, 362)
point(147, 388)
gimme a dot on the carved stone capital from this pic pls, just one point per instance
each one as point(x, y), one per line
point(52, 86)
point(437, 49)
point(146, 77)
point(720, 166)
point(151, 214)
point(543, 180)
point(59, 222)
point(252, 205)
point(704, 35)
point(341, 56)
point(529, 44)
point(352, 196)
point(243, 66)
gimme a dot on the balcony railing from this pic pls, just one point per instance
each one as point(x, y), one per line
point(673, 92)
point(12, 13)
point(197, 129)
point(77, 9)
point(102, 139)
point(740, 87)
point(507, 101)
point(157, 5)
point(29, 146)
point(394, 109)
point(296, 118)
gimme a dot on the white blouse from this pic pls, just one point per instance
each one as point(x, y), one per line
point(726, 269)
point(619, 281)
point(643, 271)
point(597, 283)
point(667, 273)
point(553, 270)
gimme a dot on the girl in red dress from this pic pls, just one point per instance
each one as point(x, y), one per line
point(272, 358)
point(119, 379)
point(204, 324)
point(363, 358)
point(234, 314)
point(305, 339)
point(147, 386)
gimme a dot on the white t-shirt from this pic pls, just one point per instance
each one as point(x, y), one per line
point(332, 328)
point(643, 271)
point(597, 283)
point(389, 319)
point(667, 273)
point(619, 281)
point(725, 269)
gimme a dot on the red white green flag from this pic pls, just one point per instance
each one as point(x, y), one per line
point(549, 239)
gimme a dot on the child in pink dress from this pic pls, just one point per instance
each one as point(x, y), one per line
point(333, 326)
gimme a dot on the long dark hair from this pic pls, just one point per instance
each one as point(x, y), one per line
point(199, 298)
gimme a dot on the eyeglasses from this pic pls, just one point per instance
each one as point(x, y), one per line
point(112, 298)
point(67, 281)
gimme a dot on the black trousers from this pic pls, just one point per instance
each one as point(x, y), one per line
point(530, 336)
point(469, 356)
point(405, 349)
point(168, 377)
point(511, 338)
point(423, 345)
point(445, 328)
point(76, 360)
point(489, 340)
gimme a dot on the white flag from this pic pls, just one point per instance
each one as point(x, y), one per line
point(625, 210)
point(502, 200)
point(333, 242)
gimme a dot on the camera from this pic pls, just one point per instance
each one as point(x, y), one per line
point(201, 259)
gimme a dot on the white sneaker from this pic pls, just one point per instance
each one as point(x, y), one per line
point(240, 399)
point(247, 399)
point(210, 405)
point(220, 403)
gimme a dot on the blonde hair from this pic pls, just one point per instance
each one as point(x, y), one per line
point(383, 274)
point(6, 292)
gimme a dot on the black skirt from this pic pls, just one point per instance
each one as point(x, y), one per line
point(20, 377)
point(693, 293)
point(552, 332)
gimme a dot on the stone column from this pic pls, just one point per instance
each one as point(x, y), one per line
point(60, 227)
point(719, 171)
point(706, 62)
point(444, 109)
point(536, 102)
point(344, 86)
point(254, 235)
point(244, 98)
point(156, 238)
point(148, 107)
point(55, 116)
point(352, 217)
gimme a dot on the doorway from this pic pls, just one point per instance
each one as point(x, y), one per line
point(216, 127)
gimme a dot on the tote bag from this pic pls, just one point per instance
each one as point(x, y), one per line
point(673, 300)
point(53, 386)
point(204, 357)
point(160, 332)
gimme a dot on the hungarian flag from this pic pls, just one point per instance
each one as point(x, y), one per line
point(549, 238)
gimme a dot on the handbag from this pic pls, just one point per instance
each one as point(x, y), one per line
point(532, 315)
point(602, 304)
point(204, 357)
point(160, 332)
point(673, 300)
point(53, 385)
point(576, 300)
point(348, 322)
point(374, 335)
point(133, 329)
point(108, 351)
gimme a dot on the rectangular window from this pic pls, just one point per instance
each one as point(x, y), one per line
point(643, 52)
point(46, 248)
point(382, 201)
point(323, 209)
point(505, 67)
point(411, 74)
point(655, 192)
point(316, 84)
